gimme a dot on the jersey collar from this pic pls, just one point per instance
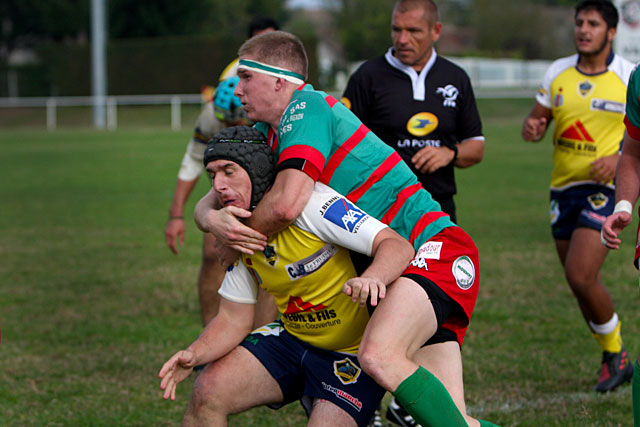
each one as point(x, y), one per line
point(417, 80)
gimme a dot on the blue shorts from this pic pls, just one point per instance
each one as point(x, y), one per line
point(305, 373)
point(582, 206)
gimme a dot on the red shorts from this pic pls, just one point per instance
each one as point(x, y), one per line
point(450, 260)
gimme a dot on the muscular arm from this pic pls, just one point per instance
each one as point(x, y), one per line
point(470, 152)
point(536, 123)
point(281, 205)
point(628, 173)
point(222, 334)
point(391, 256)
point(627, 188)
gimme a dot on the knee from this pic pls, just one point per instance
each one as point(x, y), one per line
point(204, 402)
point(374, 359)
point(578, 278)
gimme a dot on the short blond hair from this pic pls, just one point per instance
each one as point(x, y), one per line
point(277, 48)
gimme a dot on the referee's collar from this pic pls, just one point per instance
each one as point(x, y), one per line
point(417, 80)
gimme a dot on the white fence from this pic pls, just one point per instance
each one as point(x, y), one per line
point(491, 78)
point(112, 102)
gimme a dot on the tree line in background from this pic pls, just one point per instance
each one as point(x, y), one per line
point(357, 29)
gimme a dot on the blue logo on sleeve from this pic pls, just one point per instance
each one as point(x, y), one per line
point(345, 214)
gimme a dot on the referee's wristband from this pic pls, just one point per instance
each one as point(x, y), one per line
point(623, 206)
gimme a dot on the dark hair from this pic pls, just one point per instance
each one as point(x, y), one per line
point(605, 8)
point(259, 23)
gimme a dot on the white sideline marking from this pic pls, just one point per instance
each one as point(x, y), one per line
point(514, 405)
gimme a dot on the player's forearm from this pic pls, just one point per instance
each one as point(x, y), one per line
point(391, 257)
point(281, 205)
point(470, 152)
point(223, 333)
point(628, 171)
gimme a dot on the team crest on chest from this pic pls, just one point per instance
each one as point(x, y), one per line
point(450, 95)
point(585, 88)
point(271, 256)
point(346, 371)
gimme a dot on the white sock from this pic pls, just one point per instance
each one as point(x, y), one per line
point(605, 328)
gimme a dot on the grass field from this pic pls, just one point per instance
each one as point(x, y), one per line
point(92, 302)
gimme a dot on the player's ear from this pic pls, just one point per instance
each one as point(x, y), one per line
point(611, 33)
point(279, 84)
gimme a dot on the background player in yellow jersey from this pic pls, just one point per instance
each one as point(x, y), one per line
point(585, 94)
point(212, 119)
point(312, 354)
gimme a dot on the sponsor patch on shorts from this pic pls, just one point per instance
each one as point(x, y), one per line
point(464, 272)
point(341, 394)
point(269, 329)
point(346, 371)
point(430, 250)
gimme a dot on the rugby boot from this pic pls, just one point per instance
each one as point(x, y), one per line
point(376, 420)
point(616, 370)
point(398, 415)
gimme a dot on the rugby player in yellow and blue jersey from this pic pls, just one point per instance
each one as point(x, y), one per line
point(311, 355)
point(585, 94)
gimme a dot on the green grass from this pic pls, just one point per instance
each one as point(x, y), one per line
point(92, 302)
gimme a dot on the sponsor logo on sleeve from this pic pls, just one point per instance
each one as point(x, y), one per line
point(344, 214)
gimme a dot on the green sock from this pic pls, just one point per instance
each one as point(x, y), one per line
point(635, 395)
point(428, 401)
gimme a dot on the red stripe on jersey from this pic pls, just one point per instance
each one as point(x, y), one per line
point(341, 153)
point(426, 219)
point(376, 176)
point(272, 140)
point(403, 196)
point(301, 86)
point(632, 130)
point(331, 100)
point(312, 158)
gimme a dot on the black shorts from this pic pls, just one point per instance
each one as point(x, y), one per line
point(305, 373)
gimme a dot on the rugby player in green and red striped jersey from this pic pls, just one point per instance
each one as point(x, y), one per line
point(412, 344)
